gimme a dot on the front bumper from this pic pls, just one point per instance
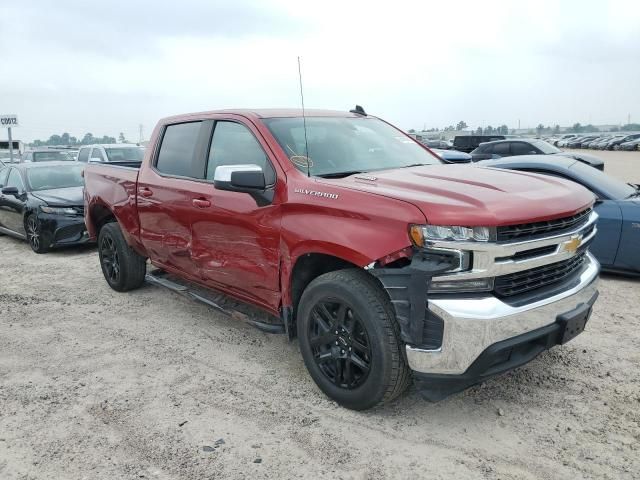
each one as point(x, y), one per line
point(484, 337)
point(472, 325)
point(63, 230)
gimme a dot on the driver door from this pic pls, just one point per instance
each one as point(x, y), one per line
point(12, 207)
point(235, 241)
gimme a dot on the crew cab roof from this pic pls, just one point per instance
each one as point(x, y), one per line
point(111, 145)
point(265, 113)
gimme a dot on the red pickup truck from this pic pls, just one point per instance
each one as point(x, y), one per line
point(343, 231)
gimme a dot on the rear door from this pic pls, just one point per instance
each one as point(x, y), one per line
point(12, 207)
point(166, 194)
point(236, 243)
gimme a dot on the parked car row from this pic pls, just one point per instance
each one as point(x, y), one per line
point(336, 228)
point(115, 152)
point(619, 141)
point(523, 146)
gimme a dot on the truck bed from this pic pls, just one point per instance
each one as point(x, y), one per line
point(113, 186)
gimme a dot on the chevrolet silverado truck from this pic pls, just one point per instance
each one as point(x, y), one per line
point(339, 229)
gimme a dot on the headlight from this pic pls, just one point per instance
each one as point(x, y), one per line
point(421, 233)
point(59, 210)
point(451, 260)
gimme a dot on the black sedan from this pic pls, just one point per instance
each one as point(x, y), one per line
point(43, 204)
point(618, 206)
point(523, 146)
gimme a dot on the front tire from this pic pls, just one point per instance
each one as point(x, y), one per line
point(122, 267)
point(350, 340)
point(38, 240)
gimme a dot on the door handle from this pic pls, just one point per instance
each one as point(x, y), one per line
point(201, 203)
point(145, 192)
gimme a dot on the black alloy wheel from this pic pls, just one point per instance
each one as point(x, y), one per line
point(35, 237)
point(350, 340)
point(122, 267)
point(339, 343)
point(110, 260)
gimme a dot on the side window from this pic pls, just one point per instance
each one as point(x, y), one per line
point(234, 144)
point(15, 180)
point(522, 148)
point(96, 154)
point(83, 155)
point(501, 149)
point(178, 149)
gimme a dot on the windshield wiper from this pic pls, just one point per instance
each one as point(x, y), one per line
point(339, 174)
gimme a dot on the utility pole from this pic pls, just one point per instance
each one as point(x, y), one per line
point(10, 145)
point(9, 121)
point(628, 119)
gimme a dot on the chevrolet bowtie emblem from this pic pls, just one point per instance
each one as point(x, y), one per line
point(572, 245)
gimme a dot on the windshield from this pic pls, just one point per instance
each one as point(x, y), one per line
point(55, 176)
point(343, 145)
point(546, 148)
point(598, 180)
point(52, 156)
point(125, 154)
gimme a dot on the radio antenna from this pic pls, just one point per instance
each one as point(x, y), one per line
point(304, 122)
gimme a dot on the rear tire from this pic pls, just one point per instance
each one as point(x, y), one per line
point(122, 267)
point(364, 364)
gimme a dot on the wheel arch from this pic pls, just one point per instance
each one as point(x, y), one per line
point(302, 270)
point(99, 215)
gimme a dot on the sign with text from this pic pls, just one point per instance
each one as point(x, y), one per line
point(8, 121)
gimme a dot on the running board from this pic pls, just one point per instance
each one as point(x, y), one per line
point(222, 303)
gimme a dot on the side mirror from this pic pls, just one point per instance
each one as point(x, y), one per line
point(239, 178)
point(244, 178)
point(11, 191)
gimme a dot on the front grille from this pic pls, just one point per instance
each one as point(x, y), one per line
point(527, 230)
point(528, 280)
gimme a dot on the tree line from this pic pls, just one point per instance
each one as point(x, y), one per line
point(88, 139)
point(540, 129)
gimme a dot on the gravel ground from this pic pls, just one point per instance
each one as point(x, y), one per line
point(100, 385)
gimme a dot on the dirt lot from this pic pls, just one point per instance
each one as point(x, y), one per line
point(623, 165)
point(100, 385)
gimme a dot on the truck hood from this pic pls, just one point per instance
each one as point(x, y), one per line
point(474, 196)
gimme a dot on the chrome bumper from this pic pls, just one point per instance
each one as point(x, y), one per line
point(471, 325)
